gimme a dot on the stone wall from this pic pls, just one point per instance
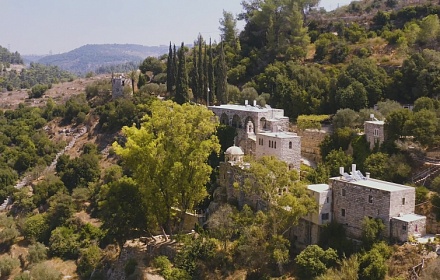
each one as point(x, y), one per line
point(401, 230)
point(311, 139)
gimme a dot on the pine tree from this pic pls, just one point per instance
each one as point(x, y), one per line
point(182, 78)
point(170, 71)
point(221, 78)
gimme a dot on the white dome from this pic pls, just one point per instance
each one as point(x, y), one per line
point(234, 151)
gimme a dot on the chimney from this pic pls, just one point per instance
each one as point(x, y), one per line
point(353, 167)
point(367, 174)
point(341, 170)
point(372, 117)
point(246, 102)
point(255, 103)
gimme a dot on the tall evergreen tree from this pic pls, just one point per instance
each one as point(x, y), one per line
point(211, 86)
point(222, 78)
point(205, 72)
point(201, 68)
point(170, 71)
point(195, 86)
point(182, 78)
point(174, 72)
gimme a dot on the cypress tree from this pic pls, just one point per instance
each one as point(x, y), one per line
point(195, 86)
point(170, 71)
point(182, 78)
point(211, 85)
point(174, 72)
point(200, 70)
point(222, 78)
point(205, 72)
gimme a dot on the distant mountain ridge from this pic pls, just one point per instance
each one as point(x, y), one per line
point(90, 57)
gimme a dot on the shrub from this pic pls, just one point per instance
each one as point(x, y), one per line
point(88, 261)
point(36, 228)
point(37, 253)
point(44, 271)
point(7, 264)
point(64, 243)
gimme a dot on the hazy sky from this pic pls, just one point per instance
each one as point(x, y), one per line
point(41, 26)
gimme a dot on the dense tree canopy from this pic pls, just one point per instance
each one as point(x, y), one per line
point(167, 156)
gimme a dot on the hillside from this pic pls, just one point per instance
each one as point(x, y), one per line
point(90, 57)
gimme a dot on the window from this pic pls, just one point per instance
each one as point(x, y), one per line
point(404, 227)
point(325, 216)
point(290, 145)
point(327, 199)
point(376, 132)
point(403, 201)
point(343, 192)
point(343, 212)
point(275, 144)
point(370, 199)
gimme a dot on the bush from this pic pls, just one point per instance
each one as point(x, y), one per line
point(64, 243)
point(37, 253)
point(43, 271)
point(7, 265)
point(130, 267)
point(88, 261)
point(36, 228)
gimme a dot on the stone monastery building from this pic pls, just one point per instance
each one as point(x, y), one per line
point(262, 131)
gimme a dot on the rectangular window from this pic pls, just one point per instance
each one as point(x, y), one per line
point(325, 216)
point(343, 192)
point(403, 201)
point(376, 132)
point(370, 199)
point(290, 145)
point(275, 144)
point(343, 212)
point(404, 227)
point(327, 199)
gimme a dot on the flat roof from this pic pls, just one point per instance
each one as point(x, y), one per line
point(318, 187)
point(236, 107)
point(409, 217)
point(279, 134)
point(375, 184)
point(376, 122)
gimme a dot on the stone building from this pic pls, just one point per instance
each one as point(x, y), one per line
point(356, 197)
point(118, 84)
point(262, 131)
point(351, 197)
point(374, 131)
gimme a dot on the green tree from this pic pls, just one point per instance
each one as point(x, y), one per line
point(372, 266)
point(182, 94)
point(313, 261)
point(395, 123)
point(89, 260)
point(377, 165)
point(36, 228)
point(372, 230)
point(8, 232)
point(347, 270)
point(222, 78)
point(424, 127)
point(168, 155)
point(123, 209)
point(152, 64)
point(221, 224)
point(64, 243)
point(37, 253)
point(336, 159)
point(345, 118)
point(170, 71)
point(429, 30)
